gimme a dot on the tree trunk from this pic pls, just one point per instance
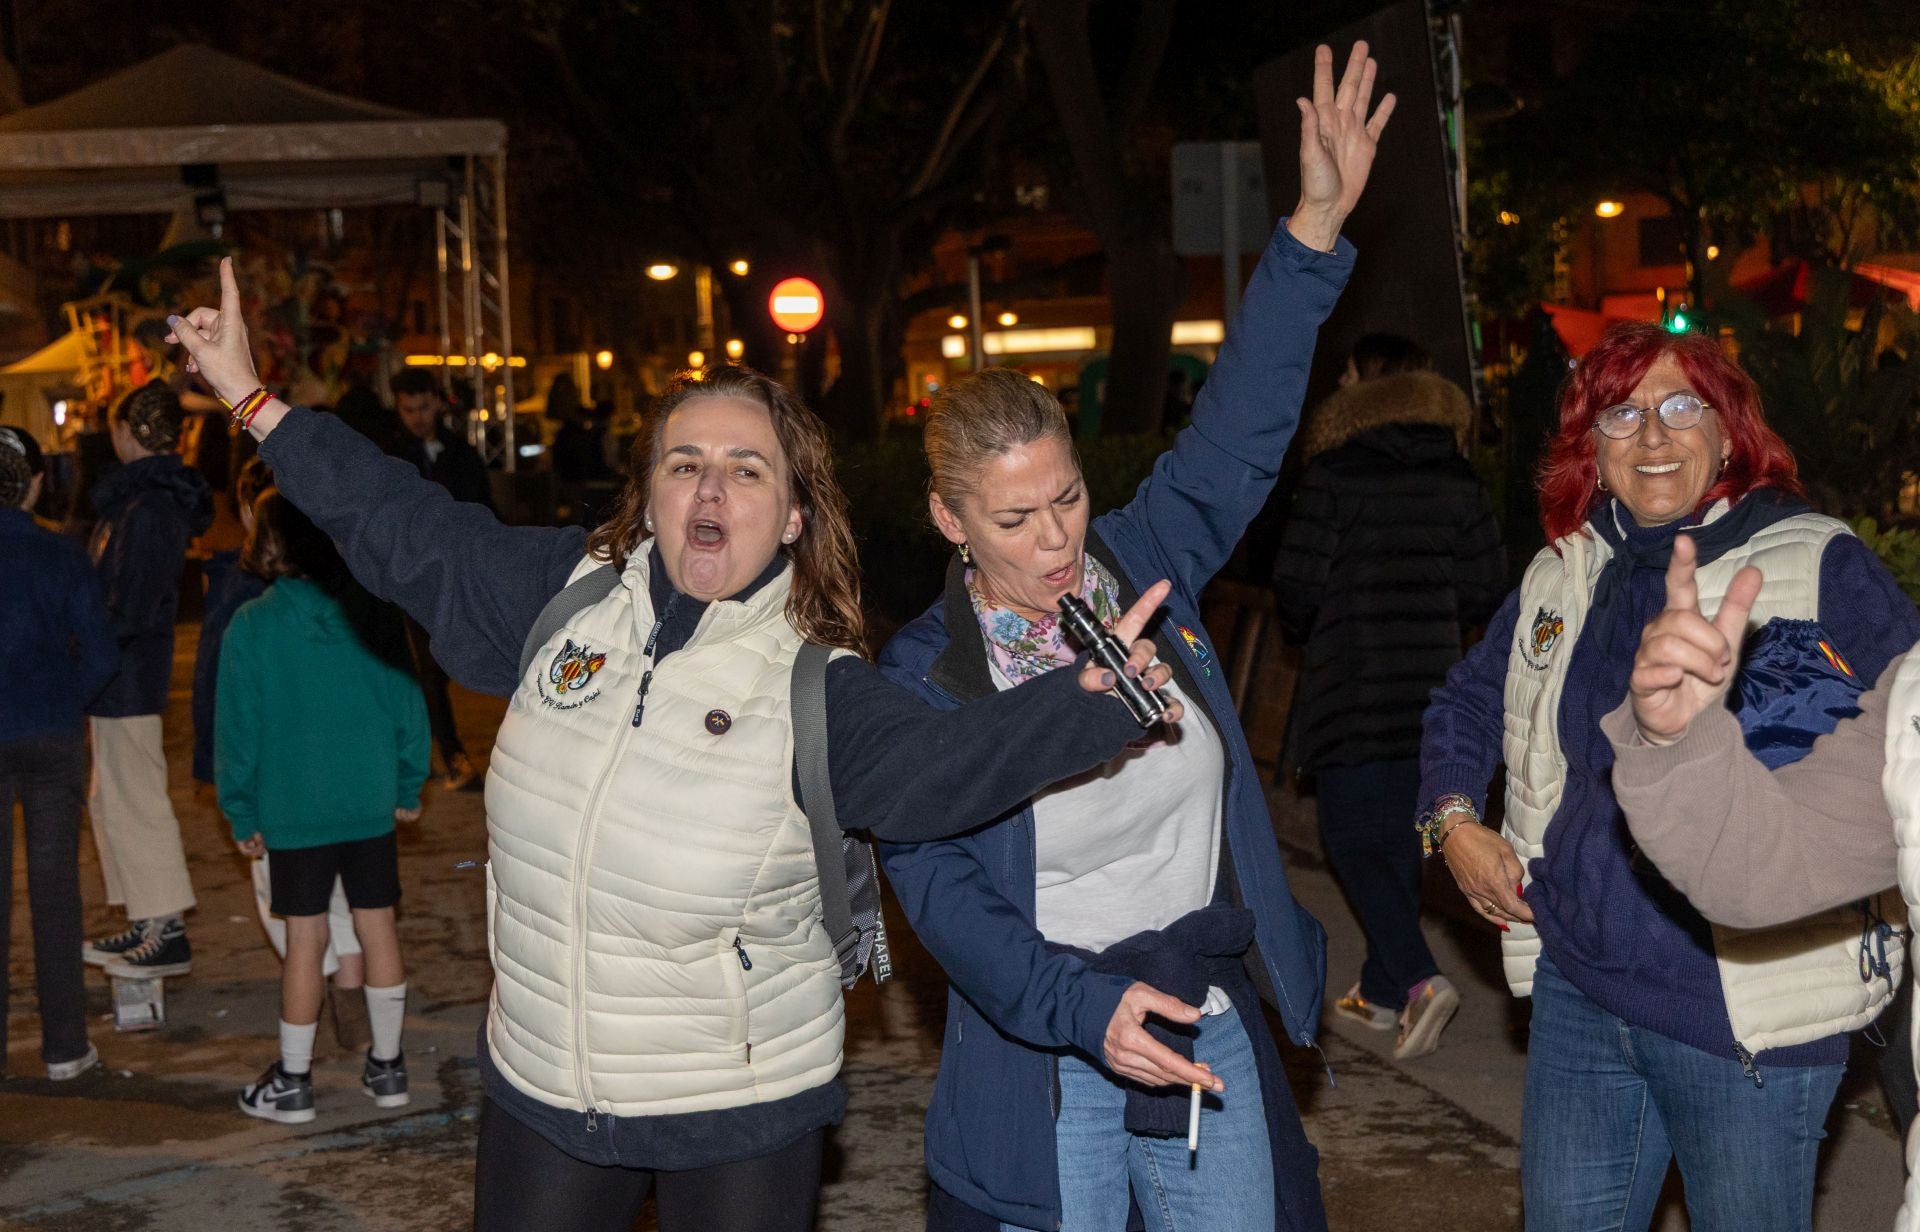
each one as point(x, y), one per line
point(862, 306)
point(1144, 285)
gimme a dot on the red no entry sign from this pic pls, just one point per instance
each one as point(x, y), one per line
point(796, 305)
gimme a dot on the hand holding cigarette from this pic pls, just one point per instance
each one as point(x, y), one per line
point(1132, 1052)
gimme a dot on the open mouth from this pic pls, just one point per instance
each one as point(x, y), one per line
point(1060, 576)
point(1660, 468)
point(706, 533)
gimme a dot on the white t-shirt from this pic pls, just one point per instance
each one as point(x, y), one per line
point(1135, 844)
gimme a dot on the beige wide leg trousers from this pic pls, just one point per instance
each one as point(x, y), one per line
point(134, 827)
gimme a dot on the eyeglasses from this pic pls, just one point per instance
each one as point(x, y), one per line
point(1676, 411)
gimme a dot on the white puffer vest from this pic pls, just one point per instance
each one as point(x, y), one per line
point(1787, 985)
point(1901, 782)
point(653, 906)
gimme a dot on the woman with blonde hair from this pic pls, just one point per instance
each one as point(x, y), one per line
point(1150, 887)
point(666, 1015)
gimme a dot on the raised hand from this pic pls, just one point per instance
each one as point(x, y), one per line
point(1096, 679)
point(1687, 662)
point(1337, 144)
point(216, 341)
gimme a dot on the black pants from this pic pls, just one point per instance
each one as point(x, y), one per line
point(1366, 827)
point(433, 685)
point(523, 1182)
point(48, 775)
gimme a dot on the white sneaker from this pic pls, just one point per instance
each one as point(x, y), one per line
point(279, 1096)
point(61, 1071)
point(1430, 1007)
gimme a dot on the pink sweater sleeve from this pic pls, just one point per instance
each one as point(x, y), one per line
point(1749, 847)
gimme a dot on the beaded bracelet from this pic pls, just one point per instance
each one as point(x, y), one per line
point(248, 407)
point(1429, 825)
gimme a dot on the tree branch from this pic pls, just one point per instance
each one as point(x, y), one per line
point(859, 72)
point(938, 154)
point(820, 45)
point(1144, 58)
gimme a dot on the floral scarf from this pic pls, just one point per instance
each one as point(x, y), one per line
point(1023, 649)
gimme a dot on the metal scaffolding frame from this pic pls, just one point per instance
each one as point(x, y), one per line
point(474, 303)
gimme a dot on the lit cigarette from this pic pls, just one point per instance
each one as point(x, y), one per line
point(1193, 1121)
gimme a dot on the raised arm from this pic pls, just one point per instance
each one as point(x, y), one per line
point(908, 772)
point(475, 584)
point(1751, 848)
point(1748, 848)
point(1196, 504)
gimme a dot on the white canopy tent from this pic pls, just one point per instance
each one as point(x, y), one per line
point(195, 129)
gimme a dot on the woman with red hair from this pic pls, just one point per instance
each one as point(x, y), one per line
point(1657, 1036)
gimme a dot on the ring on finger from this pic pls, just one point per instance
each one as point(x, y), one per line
point(1489, 907)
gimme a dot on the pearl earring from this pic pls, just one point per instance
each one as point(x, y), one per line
point(649, 522)
point(966, 554)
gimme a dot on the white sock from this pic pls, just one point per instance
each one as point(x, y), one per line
point(296, 1047)
point(386, 1011)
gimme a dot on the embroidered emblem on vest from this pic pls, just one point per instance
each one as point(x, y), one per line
point(1199, 649)
point(1547, 628)
point(571, 671)
point(718, 721)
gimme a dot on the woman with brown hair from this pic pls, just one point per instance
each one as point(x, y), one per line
point(665, 1013)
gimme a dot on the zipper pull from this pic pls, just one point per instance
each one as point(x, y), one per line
point(593, 1122)
point(1314, 1044)
point(1747, 1066)
point(746, 964)
point(640, 703)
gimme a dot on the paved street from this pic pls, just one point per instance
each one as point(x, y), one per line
point(153, 1141)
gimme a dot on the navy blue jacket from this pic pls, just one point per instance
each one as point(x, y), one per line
point(898, 767)
point(1614, 928)
point(228, 587)
point(56, 645)
point(1015, 1001)
point(150, 509)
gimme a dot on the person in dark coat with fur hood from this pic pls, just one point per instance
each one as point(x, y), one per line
point(1391, 553)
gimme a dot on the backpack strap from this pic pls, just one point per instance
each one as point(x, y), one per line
point(816, 798)
point(848, 866)
point(578, 595)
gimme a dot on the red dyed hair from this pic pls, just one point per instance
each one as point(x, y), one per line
point(1569, 478)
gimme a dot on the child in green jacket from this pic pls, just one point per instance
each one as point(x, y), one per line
point(320, 746)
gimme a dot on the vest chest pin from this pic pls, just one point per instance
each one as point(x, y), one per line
point(718, 721)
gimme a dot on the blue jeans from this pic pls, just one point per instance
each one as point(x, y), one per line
point(1226, 1187)
point(1608, 1105)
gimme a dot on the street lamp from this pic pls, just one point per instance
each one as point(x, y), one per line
point(739, 268)
point(957, 321)
point(1609, 209)
point(735, 348)
point(696, 359)
point(660, 271)
point(1009, 318)
point(603, 360)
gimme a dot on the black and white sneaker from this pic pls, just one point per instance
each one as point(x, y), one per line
point(385, 1082)
point(107, 949)
point(162, 951)
point(279, 1096)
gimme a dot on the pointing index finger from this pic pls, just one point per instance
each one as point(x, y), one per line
point(1683, 594)
point(229, 289)
point(1128, 627)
